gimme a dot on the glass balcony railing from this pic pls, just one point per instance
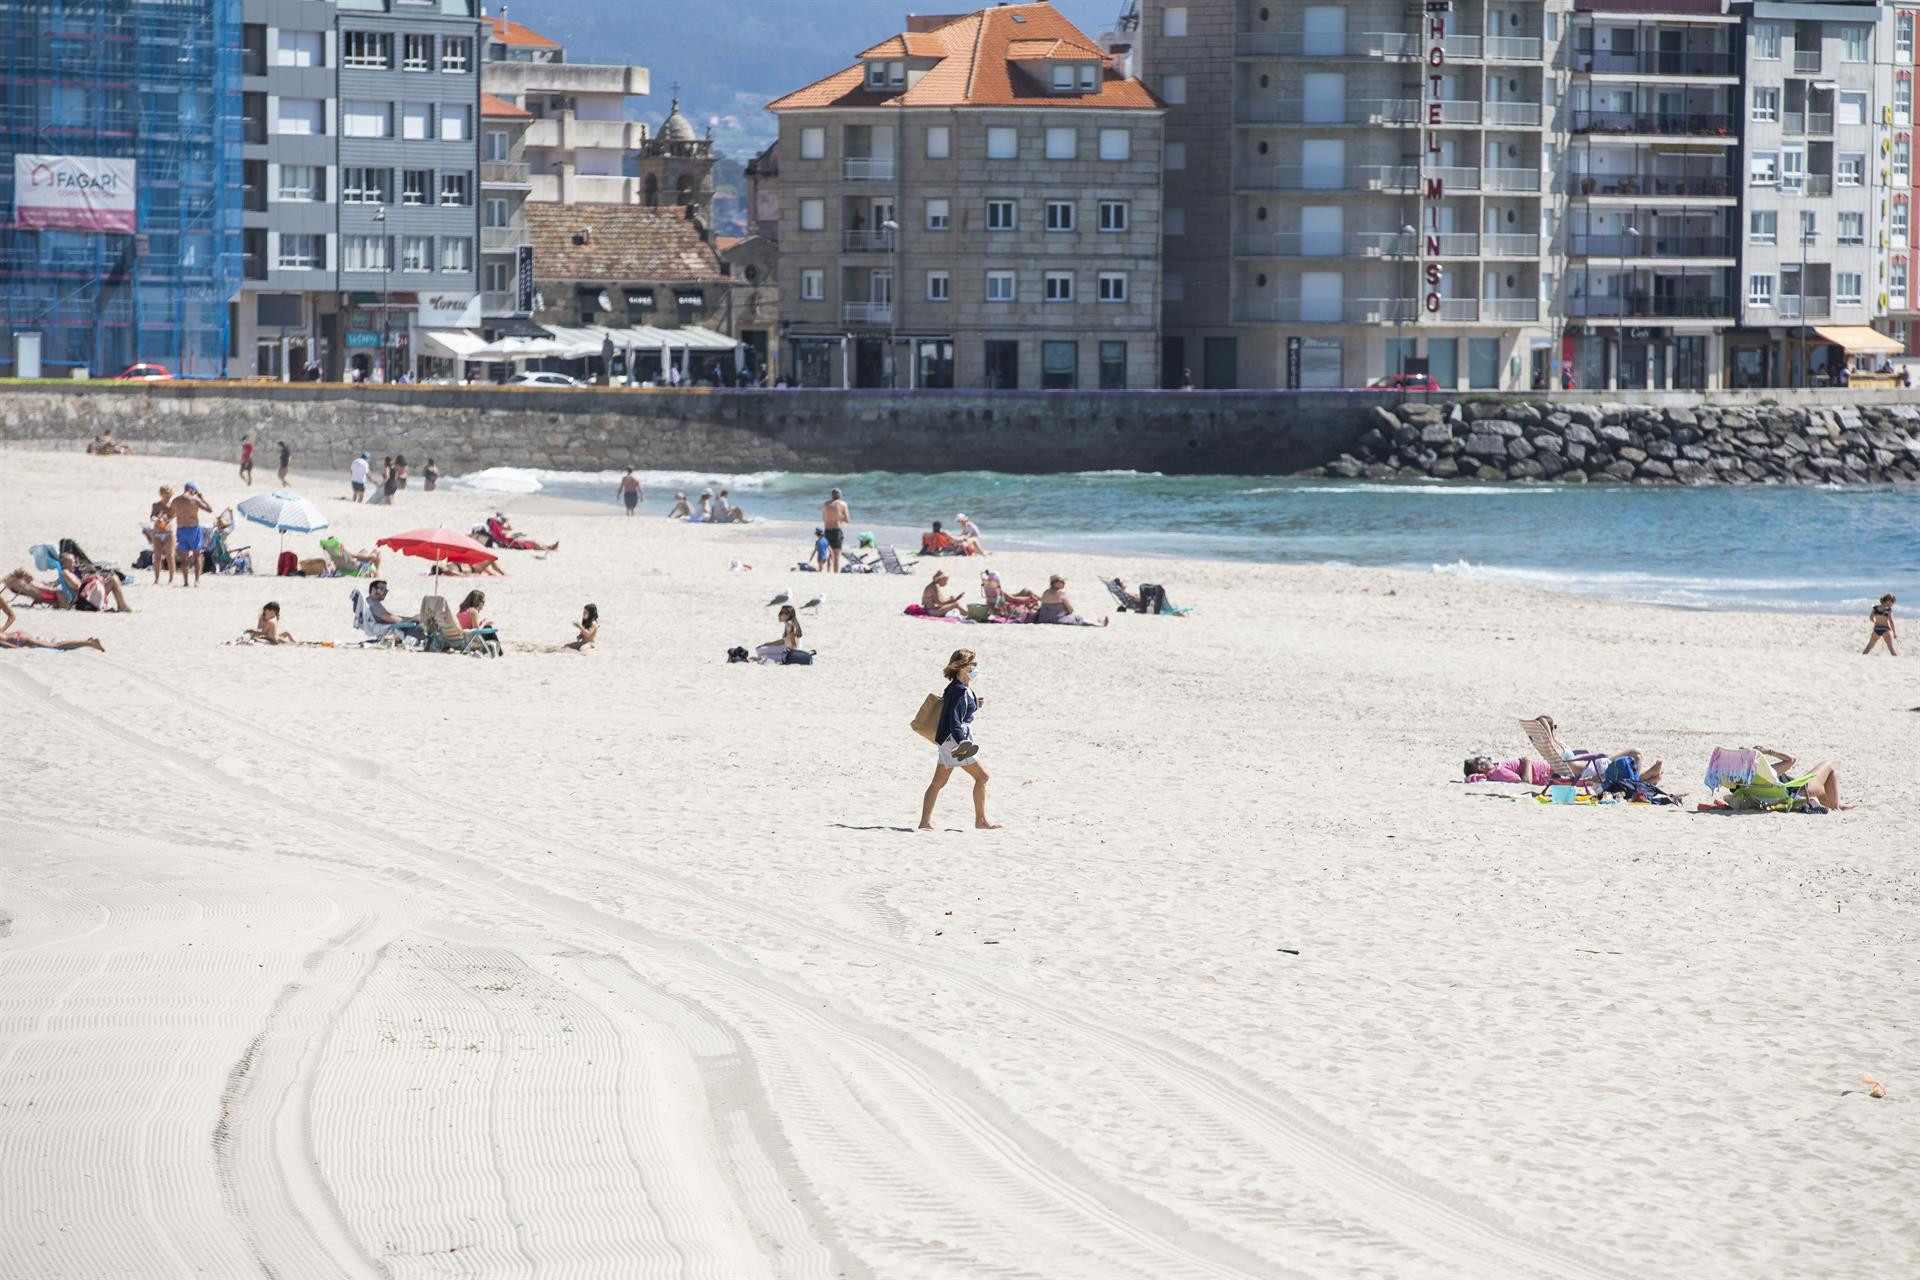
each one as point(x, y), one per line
point(1701, 181)
point(1649, 245)
point(1652, 307)
point(1668, 124)
point(1374, 177)
point(1653, 62)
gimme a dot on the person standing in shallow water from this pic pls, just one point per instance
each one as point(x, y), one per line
point(954, 739)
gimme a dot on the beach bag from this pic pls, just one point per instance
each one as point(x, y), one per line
point(737, 654)
point(927, 722)
point(288, 564)
point(799, 658)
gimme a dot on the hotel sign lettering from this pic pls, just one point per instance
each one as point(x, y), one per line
point(1433, 187)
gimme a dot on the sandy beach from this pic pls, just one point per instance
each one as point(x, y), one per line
point(328, 962)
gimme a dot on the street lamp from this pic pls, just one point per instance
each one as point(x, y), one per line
point(892, 229)
point(386, 265)
point(1406, 304)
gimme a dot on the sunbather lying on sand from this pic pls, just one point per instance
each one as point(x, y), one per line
point(1822, 780)
point(1535, 773)
point(504, 534)
point(11, 639)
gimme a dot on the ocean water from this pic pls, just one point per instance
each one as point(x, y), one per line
point(1822, 549)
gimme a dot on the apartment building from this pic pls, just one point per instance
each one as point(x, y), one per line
point(506, 249)
point(976, 202)
point(1903, 291)
point(579, 140)
point(359, 166)
point(1823, 164)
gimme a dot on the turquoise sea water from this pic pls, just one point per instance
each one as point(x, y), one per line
point(1818, 549)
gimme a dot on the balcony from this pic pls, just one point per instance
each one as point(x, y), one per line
point(1806, 62)
point(866, 313)
point(1373, 177)
point(1649, 245)
point(1513, 246)
point(1819, 184)
point(1513, 49)
point(1353, 244)
point(1510, 309)
point(1459, 310)
point(570, 133)
point(867, 241)
point(1457, 179)
point(1654, 62)
point(1510, 179)
point(1793, 123)
point(503, 239)
point(1302, 44)
point(1819, 122)
point(512, 79)
point(1513, 113)
point(1636, 306)
point(1691, 181)
point(1325, 310)
point(504, 173)
point(1809, 306)
point(867, 168)
point(585, 188)
point(1666, 124)
point(1354, 111)
point(497, 302)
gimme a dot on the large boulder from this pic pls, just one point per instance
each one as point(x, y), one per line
point(1627, 453)
point(1346, 466)
point(1444, 469)
point(1490, 447)
point(1525, 469)
point(1436, 433)
point(1382, 419)
point(1572, 475)
point(1581, 433)
point(1499, 427)
point(1615, 433)
point(1519, 448)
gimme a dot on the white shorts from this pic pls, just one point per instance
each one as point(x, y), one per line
point(946, 756)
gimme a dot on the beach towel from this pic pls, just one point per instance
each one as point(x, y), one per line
point(1728, 768)
point(915, 611)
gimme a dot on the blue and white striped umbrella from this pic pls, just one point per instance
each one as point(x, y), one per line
point(284, 511)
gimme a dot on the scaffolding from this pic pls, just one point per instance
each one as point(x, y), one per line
point(156, 82)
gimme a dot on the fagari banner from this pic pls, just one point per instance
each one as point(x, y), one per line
point(73, 193)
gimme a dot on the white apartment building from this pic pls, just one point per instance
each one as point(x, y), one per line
point(577, 145)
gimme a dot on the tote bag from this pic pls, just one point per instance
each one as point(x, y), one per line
point(928, 721)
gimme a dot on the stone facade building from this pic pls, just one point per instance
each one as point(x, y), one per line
point(676, 167)
point(974, 203)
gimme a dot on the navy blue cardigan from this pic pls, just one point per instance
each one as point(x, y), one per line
point(957, 706)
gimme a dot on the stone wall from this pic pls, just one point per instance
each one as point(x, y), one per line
point(1638, 444)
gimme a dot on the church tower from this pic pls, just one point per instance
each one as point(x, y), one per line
point(676, 167)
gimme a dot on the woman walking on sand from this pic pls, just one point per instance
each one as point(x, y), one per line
point(954, 735)
point(1881, 619)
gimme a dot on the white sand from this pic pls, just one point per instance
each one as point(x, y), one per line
point(322, 962)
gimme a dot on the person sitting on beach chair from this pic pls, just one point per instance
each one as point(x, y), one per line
point(350, 564)
point(371, 615)
point(90, 590)
point(1753, 779)
point(443, 633)
point(1151, 598)
point(23, 584)
point(504, 535)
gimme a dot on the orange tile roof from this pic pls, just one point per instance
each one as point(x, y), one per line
point(978, 67)
point(910, 44)
point(514, 34)
point(495, 108)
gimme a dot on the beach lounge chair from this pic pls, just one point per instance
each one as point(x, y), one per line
point(444, 634)
point(1120, 597)
point(224, 559)
point(1747, 785)
point(403, 633)
point(343, 564)
point(891, 559)
point(1564, 766)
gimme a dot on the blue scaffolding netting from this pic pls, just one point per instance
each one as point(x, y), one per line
point(155, 82)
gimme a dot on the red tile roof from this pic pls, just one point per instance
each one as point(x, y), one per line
point(978, 66)
point(630, 242)
point(514, 34)
point(500, 109)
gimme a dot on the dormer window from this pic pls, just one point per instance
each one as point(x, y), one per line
point(1075, 77)
point(1089, 77)
point(886, 75)
point(1063, 78)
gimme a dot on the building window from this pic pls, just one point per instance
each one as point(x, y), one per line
point(365, 119)
point(939, 287)
point(1848, 287)
point(456, 253)
point(999, 286)
point(1089, 77)
point(876, 75)
point(1059, 286)
point(1173, 90)
point(1854, 42)
point(1809, 226)
point(1850, 228)
point(1763, 168)
point(366, 50)
point(456, 54)
point(300, 252)
point(1763, 227)
point(1061, 143)
point(456, 188)
point(1059, 215)
point(1766, 104)
point(1000, 215)
point(813, 214)
point(414, 185)
point(1113, 366)
point(1902, 161)
point(1173, 20)
point(416, 53)
point(1059, 366)
point(1903, 100)
point(939, 142)
point(1063, 79)
point(1176, 154)
point(1903, 36)
point(1113, 286)
point(496, 276)
point(1765, 39)
point(416, 253)
point(363, 253)
point(302, 117)
point(1853, 108)
point(456, 123)
point(813, 285)
point(300, 182)
point(299, 49)
point(1760, 291)
point(1113, 215)
point(497, 212)
point(1117, 144)
point(813, 143)
point(364, 186)
point(498, 146)
point(416, 121)
point(896, 74)
point(1003, 142)
point(939, 217)
point(1850, 170)
point(1902, 212)
point(1897, 279)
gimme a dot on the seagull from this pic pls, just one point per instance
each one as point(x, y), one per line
point(784, 597)
point(815, 603)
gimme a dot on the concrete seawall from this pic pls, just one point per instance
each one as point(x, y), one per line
point(1237, 432)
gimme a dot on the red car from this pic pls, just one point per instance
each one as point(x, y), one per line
point(144, 373)
point(1405, 382)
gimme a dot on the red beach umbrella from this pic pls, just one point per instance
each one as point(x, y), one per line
point(442, 546)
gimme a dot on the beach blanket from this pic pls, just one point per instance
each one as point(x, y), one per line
point(1726, 768)
point(915, 611)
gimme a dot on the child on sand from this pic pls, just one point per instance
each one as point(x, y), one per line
point(267, 630)
point(587, 631)
point(954, 738)
point(1883, 631)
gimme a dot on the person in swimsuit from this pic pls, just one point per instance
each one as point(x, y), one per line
point(630, 492)
point(160, 533)
point(935, 605)
point(22, 583)
point(1536, 773)
point(246, 460)
point(1056, 608)
point(11, 639)
point(953, 737)
point(90, 590)
point(267, 630)
point(1883, 630)
point(777, 650)
point(588, 629)
point(834, 518)
point(286, 461)
point(431, 475)
point(189, 539)
point(681, 511)
point(400, 470)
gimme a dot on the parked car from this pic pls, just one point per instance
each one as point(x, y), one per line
point(144, 373)
point(1405, 382)
point(544, 380)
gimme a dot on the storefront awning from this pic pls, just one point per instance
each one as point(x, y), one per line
point(451, 344)
point(1860, 339)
